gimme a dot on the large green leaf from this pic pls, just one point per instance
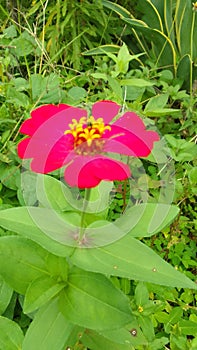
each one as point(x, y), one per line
point(49, 329)
point(130, 258)
point(92, 301)
point(11, 336)
point(26, 221)
point(21, 261)
point(142, 220)
point(40, 291)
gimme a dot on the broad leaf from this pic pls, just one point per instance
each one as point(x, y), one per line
point(40, 291)
point(128, 338)
point(11, 336)
point(92, 301)
point(130, 258)
point(52, 193)
point(49, 329)
point(21, 261)
point(142, 220)
point(26, 221)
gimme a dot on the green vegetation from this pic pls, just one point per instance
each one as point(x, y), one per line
point(144, 57)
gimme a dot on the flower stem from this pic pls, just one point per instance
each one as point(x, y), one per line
point(85, 204)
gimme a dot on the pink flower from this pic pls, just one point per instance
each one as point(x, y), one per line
point(66, 136)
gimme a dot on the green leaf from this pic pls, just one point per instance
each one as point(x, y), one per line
point(102, 50)
point(188, 327)
point(99, 198)
point(89, 294)
point(130, 258)
point(174, 316)
point(23, 220)
point(11, 336)
point(136, 82)
point(77, 93)
point(45, 89)
point(16, 97)
point(156, 102)
point(52, 193)
point(48, 330)
point(40, 291)
point(131, 335)
point(26, 193)
point(141, 294)
point(5, 295)
point(145, 220)
point(21, 261)
point(120, 10)
point(25, 44)
point(158, 344)
point(184, 70)
point(147, 328)
point(9, 174)
point(140, 220)
point(98, 341)
point(123, 58)
point(161, 112)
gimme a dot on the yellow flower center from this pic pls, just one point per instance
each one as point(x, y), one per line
point(194, 6)
point(86, 133)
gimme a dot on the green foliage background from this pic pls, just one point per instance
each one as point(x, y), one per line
point(78, 52)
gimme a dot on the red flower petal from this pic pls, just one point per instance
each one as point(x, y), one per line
point(122, 141)
point(87, 172)
point(130, 121)
point(106, 110)
point(42, 114)
point(47, 157)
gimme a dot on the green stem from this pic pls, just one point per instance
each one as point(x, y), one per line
point(83, 214)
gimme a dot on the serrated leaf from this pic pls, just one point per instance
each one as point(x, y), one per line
point(89, 294)
point(11, 335)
